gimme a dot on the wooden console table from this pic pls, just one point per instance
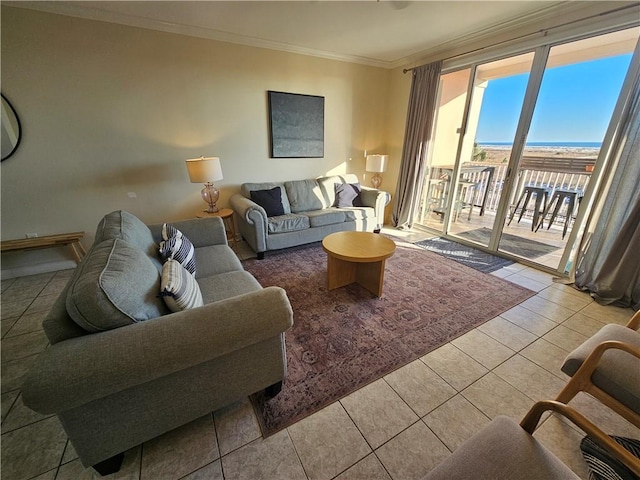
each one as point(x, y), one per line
point(59, 240)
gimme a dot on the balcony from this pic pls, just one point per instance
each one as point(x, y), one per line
point(479, 191)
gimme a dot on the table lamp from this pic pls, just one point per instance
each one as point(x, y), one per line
point(376, 164)
point(206, 170)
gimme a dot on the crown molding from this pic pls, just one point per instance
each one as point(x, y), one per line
point(527, 25)
point(456, 46)
point(90, 13)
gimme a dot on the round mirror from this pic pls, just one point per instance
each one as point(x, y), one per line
point(10, 130)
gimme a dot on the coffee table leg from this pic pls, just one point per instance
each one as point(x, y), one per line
point(340, 272)
point(371, 276)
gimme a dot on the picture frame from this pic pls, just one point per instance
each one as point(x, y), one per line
point(296, 125)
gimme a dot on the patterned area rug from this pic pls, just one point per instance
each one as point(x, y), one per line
point(346, 338)
point(523, 247)
point(469, 256)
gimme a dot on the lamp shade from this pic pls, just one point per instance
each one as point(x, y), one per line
point(204, 169)
point(377, 163)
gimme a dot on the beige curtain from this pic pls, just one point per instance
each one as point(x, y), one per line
point(420, 120)
point(609, 265)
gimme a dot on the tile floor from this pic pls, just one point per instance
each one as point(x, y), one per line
point(398, 427)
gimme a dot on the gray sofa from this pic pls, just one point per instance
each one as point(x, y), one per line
point(115, 386)
point(309, 212)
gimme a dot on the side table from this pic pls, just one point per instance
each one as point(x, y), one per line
point(227, 217)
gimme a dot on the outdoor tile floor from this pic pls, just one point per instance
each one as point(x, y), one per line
point(398, 427)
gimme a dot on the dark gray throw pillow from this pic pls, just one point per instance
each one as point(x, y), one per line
point(270, 200)
point(347, 195)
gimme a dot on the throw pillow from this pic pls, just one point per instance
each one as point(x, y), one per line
point(602, 464)
point(347, 195)
point(270, 200)
point(178, 288)
point(177, 247)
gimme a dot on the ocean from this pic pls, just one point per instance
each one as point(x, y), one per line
point(545, 144)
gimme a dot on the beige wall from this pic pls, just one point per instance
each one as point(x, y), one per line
point(109, 111)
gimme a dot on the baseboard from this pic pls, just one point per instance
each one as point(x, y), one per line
point(37, 269)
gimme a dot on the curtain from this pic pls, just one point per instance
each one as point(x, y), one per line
point(609, 266)
point(420, 120)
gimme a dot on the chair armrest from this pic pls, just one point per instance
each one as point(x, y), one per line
point(531, 420)
point(202, 232)
point(591, 362)
point(79, 370)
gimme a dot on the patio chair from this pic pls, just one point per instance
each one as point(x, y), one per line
point(607, 366)
point(504, 450)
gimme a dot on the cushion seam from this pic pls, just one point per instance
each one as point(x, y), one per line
point(104, 291)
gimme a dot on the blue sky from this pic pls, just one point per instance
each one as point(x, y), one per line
point(574, 105)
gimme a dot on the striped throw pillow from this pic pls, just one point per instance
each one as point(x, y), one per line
point(177, 247)
point(178, 287)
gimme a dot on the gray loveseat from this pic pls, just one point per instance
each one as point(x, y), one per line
point(309, 212)
point(115, 388)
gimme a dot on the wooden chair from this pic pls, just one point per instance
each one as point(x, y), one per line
point(504, 450)
point(607, 366)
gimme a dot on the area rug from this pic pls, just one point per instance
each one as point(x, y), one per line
point(469, 256)
point(523, 247)
point(345, 338)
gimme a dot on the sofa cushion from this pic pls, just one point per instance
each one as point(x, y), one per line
point(347, 195)
point(114, 286)
point(179, 288)
point(177, 247)
point(227, 285)
point(326, 216)
point(304, 195)
point(247, 188)
point(270, 200)
point(288, 223)
point(125, 226)
point(216, 259)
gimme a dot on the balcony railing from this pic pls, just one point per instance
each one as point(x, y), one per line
point(551, 172)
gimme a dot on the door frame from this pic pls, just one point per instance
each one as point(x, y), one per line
point(536, 74)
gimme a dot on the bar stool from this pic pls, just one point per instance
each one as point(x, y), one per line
point(463, 188)
point(557, 200)
point(542, 195)
point(436, 196)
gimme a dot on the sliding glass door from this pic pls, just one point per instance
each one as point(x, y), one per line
point(515, 144)
point(576, 98)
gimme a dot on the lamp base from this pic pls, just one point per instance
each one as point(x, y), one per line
point(210, 194)
point(376, 180)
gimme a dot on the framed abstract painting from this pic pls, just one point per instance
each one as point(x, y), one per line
point(296, 124)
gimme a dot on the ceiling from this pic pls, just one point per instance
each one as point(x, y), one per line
point(387, 33)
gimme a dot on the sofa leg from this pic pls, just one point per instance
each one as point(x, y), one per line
point(273, 390)
point(110, 465)
point(260, 255)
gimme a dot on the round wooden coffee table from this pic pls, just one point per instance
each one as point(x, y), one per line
point(357, 257)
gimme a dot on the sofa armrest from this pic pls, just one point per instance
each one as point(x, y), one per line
point(378, 199)
point(252, 221)
point(202, 232)
point(79, 370)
